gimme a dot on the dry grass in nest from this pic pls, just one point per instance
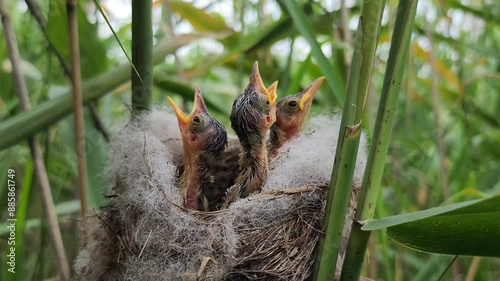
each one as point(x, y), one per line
point(281, 248)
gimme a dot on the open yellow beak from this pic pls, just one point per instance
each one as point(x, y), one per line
point(309, 92)
point(256, 81)
point(198, 106)
point(272, 91)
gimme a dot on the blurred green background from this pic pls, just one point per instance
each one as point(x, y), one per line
point(446, 140)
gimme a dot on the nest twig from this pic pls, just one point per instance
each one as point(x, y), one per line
point(279, 249)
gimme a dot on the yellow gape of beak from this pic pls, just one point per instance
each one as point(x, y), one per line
point(181, 116)
point(198, 105)
point(271, 92)
point(258, 84)
point(304, 99)
point(310, 91)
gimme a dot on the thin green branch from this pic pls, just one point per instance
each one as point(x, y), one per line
point(142, 47)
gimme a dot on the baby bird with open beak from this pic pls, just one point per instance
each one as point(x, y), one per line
point(252, 115)
point(203, 139)
point(291, 113)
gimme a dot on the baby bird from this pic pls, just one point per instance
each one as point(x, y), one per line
point(291, 112)
point(203, 139)
point(252, 115)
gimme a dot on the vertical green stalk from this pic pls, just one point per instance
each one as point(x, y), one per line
point(370, 187)
point(365, 45)
point(142, 49)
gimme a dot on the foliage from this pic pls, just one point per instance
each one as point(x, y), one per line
point(453, 70)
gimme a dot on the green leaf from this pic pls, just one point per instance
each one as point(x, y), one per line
point(93, 52)
point(57, 27)
point(466, 228)
point(332, 75)
point(198, 18)
point(96, 152)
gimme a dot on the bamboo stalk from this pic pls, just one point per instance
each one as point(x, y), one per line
point(142, 46)
point(28, 123)
point(365, 45)
point(78, 109)
point(36, 151)
point(370, 187)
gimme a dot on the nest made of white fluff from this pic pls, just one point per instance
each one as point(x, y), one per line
point(144, 234)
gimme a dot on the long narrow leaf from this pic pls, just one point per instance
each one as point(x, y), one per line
point(467, 228)
point(332, 75)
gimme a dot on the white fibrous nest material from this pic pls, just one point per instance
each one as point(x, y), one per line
point(145, 234)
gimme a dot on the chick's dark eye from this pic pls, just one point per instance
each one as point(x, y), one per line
point(196, 119)
point(292, 103)
point(267, 102)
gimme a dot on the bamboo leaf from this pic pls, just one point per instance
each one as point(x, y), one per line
point(57, 27)
point(332, 75)
point(198, 18)
point(467, 228)
point(94, 59)
point(90, 43)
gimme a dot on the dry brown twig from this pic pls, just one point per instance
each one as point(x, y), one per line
point(78, 108)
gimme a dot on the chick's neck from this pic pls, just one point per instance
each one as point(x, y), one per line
point(195, 164)
point(253, 166)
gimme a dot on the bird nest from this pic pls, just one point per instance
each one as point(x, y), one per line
point(145, 234)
